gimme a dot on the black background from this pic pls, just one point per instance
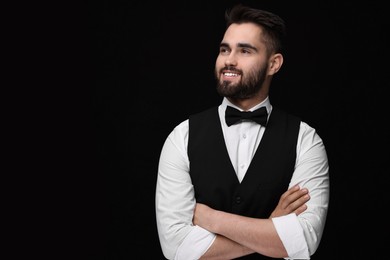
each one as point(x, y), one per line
point(152, 66)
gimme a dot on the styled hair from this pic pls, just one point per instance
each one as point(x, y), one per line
point(274, 28)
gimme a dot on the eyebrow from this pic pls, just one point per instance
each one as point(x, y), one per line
point(240, 45)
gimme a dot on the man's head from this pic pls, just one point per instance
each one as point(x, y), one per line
point(250, 53)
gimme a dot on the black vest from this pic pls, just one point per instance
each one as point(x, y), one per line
point(267, 178)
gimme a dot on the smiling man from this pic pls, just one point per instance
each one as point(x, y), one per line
point(243, 179)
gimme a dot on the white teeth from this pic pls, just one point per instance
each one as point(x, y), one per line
point(230, 74)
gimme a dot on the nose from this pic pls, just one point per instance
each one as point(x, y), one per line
point(231, 60)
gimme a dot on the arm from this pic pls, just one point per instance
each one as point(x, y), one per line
point(252, 235)
point(175, 202)
point(292, 235)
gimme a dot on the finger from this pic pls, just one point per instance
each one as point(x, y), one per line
point(296, 204)
point(293, 196)
point(300, 209)
point(290, 191)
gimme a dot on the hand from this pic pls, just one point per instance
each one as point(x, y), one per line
point(293, 200)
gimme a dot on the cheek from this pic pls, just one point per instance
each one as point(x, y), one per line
point(257, 66)
point(219, 62)
point(217, 68)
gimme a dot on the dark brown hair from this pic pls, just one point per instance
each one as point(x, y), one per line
point(273, 26)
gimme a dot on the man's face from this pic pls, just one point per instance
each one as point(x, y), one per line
point(241, 66)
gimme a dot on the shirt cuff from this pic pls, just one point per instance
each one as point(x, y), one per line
point(291, 234)
point(195, 244)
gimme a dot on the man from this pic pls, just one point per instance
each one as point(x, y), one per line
point(243, 187)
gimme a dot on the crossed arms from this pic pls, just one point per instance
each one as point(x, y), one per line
point(188, 230)
point(238, 235)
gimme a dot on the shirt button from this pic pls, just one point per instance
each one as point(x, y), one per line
point(244, 136)
point(238, 199)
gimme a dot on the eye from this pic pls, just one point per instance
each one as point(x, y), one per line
point(245, 51)
point(224, 50)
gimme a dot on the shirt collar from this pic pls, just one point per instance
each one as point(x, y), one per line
point(265, 103)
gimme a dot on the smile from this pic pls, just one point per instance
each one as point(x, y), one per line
point(230, 74)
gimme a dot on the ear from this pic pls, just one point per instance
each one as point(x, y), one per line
point(275, 63)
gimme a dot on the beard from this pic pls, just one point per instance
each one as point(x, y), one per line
point(248, 86)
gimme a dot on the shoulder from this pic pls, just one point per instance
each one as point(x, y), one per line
point(308, 131)
point(180, 130)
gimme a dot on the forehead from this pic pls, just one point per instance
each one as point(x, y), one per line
point(243, 33)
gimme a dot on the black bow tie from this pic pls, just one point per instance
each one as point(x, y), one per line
point(233, 115)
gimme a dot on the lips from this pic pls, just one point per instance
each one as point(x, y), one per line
point(230, 74)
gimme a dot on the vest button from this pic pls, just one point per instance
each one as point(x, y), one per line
point(238, 199)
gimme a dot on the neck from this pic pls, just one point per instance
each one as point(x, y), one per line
point(246, 104)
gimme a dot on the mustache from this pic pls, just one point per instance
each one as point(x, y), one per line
point(230, 68)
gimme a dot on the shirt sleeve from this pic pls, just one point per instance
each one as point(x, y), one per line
point(175, 201)
point(198, 238)
point(291, 234)
point(302, 234)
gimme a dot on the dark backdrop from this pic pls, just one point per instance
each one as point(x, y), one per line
point(152, 66)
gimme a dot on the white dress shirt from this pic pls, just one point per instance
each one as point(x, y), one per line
point(175, 200)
